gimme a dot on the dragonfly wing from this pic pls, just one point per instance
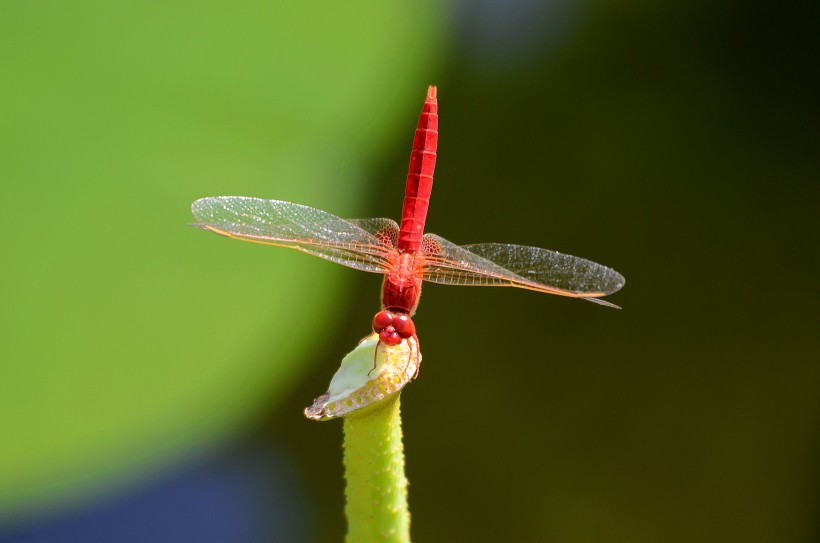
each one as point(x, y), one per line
point(362, 245)
point(533, 268)
point(385, 229)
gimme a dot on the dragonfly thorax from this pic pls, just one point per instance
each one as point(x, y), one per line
point(402, 284)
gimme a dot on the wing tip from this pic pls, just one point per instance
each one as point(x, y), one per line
point(602, 302)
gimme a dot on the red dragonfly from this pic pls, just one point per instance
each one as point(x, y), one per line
point(405, 254)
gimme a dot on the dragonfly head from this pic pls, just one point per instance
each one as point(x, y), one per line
point(393, 328)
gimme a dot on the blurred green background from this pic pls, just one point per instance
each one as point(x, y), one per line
point(676, 142)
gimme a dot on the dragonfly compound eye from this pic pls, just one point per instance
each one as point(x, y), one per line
point(404, 326)
point(381, 321)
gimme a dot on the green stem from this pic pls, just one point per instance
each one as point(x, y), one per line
point(376, 487)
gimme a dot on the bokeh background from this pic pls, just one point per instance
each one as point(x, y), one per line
point(152, 376)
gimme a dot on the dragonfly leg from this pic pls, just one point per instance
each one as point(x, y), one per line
point(410, 356)
point(375, 357)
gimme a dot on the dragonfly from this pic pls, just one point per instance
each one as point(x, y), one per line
point(404, 254)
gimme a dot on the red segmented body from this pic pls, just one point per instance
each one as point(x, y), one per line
point(420, 177)
point(401, 288)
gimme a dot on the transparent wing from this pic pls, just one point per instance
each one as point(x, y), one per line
point(498, 264)
point(360, 244)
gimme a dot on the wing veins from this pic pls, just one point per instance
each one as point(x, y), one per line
point(361, 244)
point(502, 265)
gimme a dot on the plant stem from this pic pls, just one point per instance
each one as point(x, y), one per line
point(376, 488)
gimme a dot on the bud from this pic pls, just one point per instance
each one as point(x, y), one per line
point(358, 384)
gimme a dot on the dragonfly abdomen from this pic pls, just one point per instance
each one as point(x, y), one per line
point(420, 177)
